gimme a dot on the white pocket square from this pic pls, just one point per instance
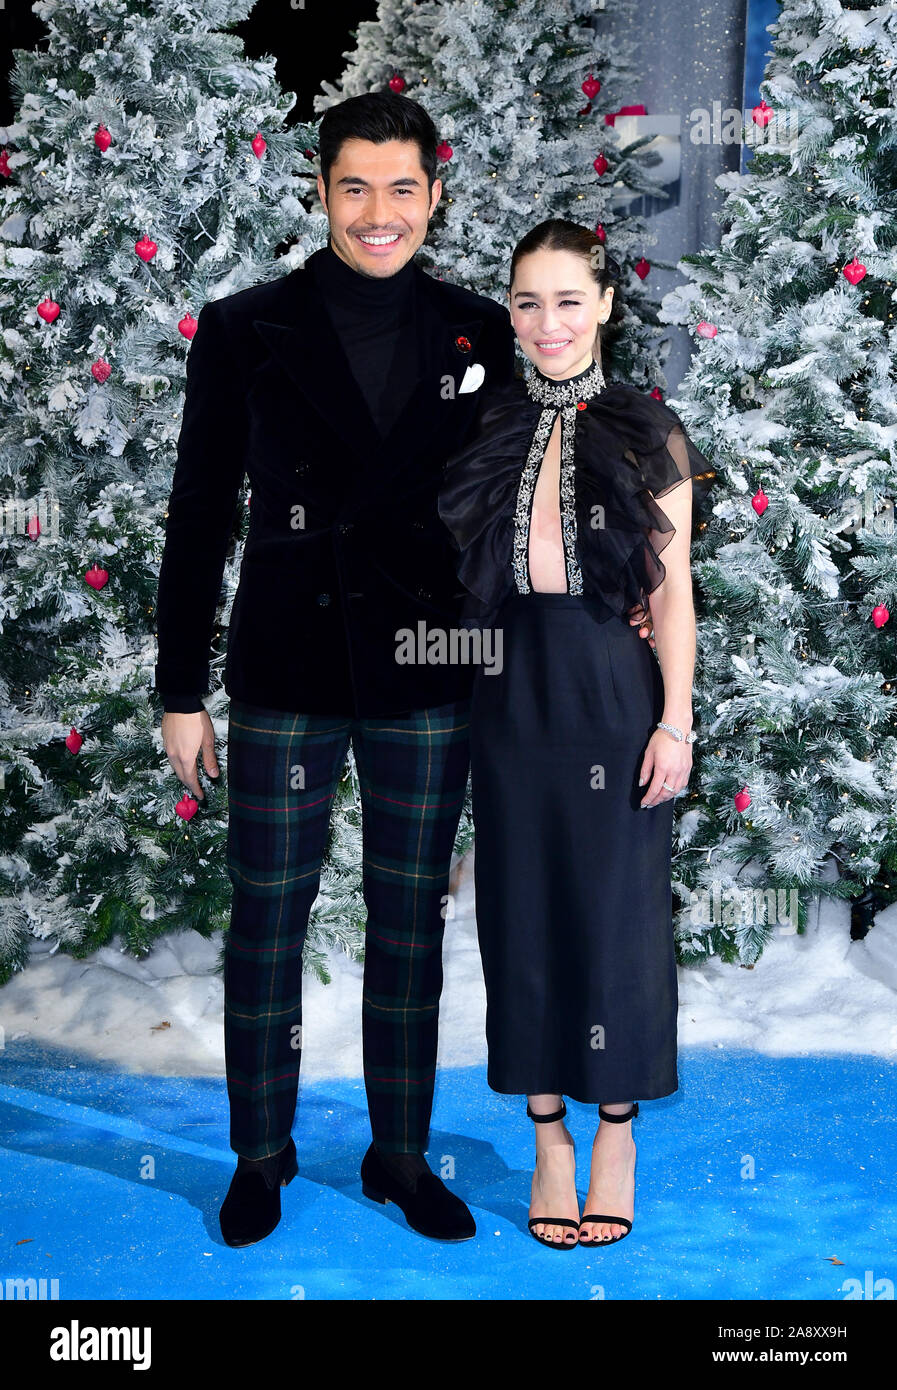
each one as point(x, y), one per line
point(473, 378)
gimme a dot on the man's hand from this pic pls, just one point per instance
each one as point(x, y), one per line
point(183, 735)
point(642, 616)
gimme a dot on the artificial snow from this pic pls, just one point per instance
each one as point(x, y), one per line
point(816, 993)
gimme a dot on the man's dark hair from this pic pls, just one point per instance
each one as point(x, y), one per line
point(378, 117)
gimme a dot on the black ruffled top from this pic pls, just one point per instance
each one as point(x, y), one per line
point(628, 449)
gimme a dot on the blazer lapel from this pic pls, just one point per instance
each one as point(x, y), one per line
point(309, 350)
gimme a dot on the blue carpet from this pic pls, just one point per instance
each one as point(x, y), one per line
point(749, 1178)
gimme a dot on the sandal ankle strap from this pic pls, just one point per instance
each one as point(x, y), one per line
point(619, 1119)
point(544, 1119)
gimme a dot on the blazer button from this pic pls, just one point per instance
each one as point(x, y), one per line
point(323, 600)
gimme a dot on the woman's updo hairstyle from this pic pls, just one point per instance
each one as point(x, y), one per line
point(558, 234)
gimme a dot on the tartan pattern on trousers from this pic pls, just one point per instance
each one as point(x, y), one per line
point(412, 773)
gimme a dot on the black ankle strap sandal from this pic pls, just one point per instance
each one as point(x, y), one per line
point(552, 1220)
point(629, 1114)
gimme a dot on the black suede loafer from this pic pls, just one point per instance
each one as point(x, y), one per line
point(251, 1209)
point(428, 1206)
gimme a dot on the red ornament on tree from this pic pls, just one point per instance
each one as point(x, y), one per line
point(641, 268)
point(146, 248)
point(444, 152)
point(657, 393)
point(880, 615)
point(102, 139)
point(100, 370)
point(761, 114)
point(854, 272)
point(4, 164)
point(759, 501)
point(705, 329)
point(600, 233)
point(600, 164)
point(309, 154)
point(396, 83)
point(96, 577)
point(33, 527)
point(48, 310)
point(73, 740)
point(584, 110)
point(188, 325)
point(187, 807)
point(591, 87)
point(742, 799)
point(259, 145)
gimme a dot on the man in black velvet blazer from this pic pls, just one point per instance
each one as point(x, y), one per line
point(343, 434)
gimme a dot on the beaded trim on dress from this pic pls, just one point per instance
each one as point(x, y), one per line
point(553, 396)
point(576, 388)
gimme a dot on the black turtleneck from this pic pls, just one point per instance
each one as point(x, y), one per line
point(374, 318)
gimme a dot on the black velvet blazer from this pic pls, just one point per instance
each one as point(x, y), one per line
point(345, 546)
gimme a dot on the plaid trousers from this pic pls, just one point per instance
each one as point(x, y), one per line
point(413, 775)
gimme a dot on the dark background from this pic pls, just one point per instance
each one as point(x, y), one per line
point(307, 43)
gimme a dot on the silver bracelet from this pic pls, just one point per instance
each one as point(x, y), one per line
point(678, 735)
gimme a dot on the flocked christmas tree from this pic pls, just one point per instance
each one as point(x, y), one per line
point(792, 395)
point(519, 91)
point(148, 170)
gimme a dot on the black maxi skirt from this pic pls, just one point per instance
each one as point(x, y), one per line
point(572, 878)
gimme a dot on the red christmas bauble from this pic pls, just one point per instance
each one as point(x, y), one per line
point(657, 393)
point(585, 110)
point(102, 139)
point(101, 370)
point(188, 325)
point(761, 114)
point(48, 310)
point(706, 330)
point(396, 83)
point(96, 577)
point(187, 807)
point(73, 740)
point(641, 268)
point(591, 87)
point(880, 615)
point(4, 164)
point(600, 233)
point(759, 501)
point(742, 799)
point(259, 144)
point(33, 527)
point(600, 164)
point(146, 248)
point(854, 271)
point(309, 154)
point(444, 152)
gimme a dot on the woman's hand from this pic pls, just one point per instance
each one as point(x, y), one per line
point(666, 760)
point(183, 735)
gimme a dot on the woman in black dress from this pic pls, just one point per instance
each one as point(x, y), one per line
point(578, 745)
